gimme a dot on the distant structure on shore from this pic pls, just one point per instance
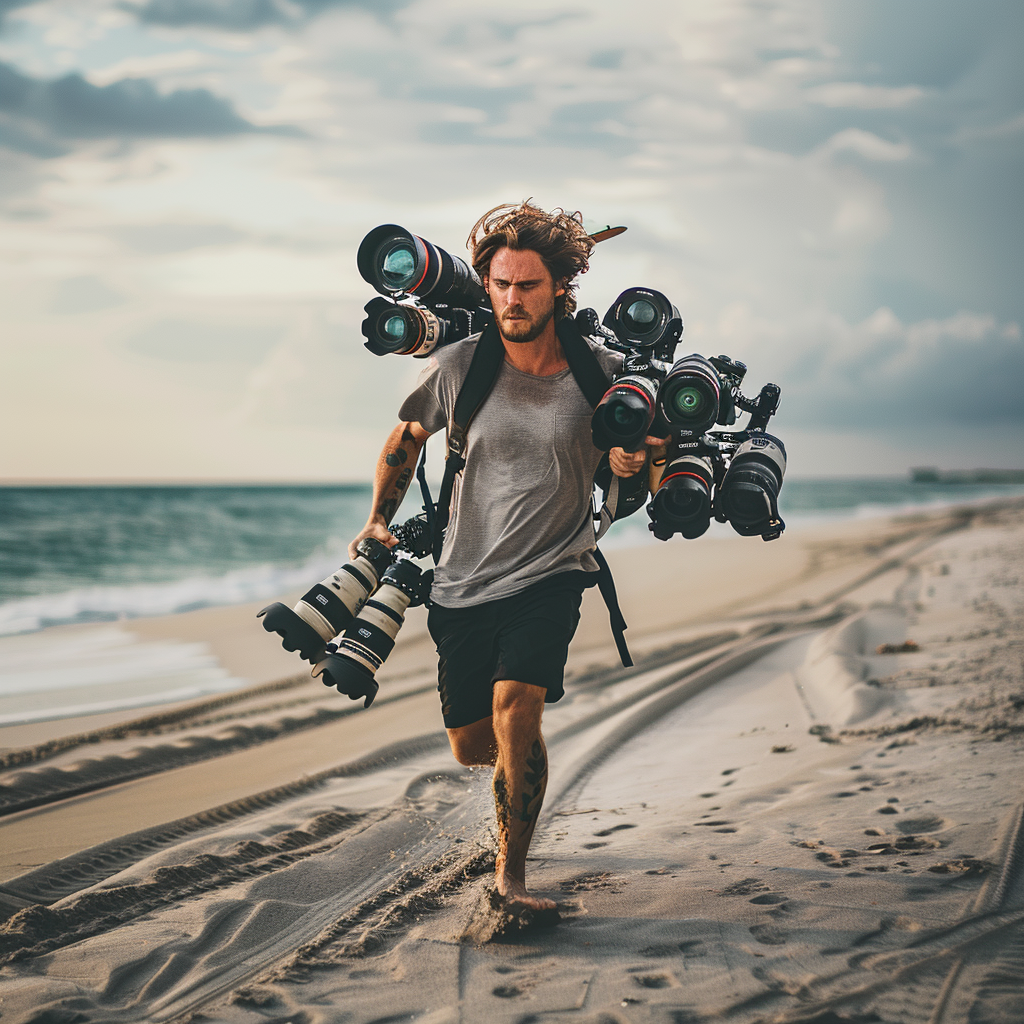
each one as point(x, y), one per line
point(932, 475)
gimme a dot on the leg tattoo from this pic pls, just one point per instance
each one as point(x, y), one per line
point(535, 777)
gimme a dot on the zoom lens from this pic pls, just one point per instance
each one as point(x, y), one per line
point(682, 503)
point(370, 637)
point(624, 415)
point(396, 261)
point(749, 496)
point(393, 328)
point(690, 394)
point(644, 318)
point(325, 610)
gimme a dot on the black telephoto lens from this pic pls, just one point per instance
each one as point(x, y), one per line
point(690, 394)
point(644, 318)
point(396, 261)
point(624, 415)
point(370, 637)
point(749, 495)
point(323, 612)
point(682, 503)
point(391, 327)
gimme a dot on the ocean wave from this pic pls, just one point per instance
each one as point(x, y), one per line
point(110, 604)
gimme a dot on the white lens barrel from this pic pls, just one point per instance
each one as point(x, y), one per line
point(331, 604)
point(370, 638)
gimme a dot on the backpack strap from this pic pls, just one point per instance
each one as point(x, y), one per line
point(480, 377)
point(586, 368)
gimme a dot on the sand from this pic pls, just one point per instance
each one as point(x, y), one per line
point(763, 820)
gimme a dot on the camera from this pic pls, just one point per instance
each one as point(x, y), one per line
point(731, 476)
point(351, 662)
point(346, 625)
point(325, 610)
point(645, 327)
point(442, 298)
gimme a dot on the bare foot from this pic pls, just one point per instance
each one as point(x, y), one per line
point(515, 892)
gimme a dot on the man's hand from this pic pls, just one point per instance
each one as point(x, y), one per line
point(378, 530)
point(625, 463)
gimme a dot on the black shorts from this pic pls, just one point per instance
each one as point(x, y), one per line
point(524, 637)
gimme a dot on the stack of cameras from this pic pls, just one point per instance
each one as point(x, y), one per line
point(428, 298)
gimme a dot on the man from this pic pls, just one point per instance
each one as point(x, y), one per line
point(518, 549)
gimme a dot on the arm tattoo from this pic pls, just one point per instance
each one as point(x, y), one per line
point(392, 498)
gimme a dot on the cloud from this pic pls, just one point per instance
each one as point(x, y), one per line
point(943, 374)
point(83, 295)
point(37, 116)
point(247, 15)
point(866, 145)
point(861, 96)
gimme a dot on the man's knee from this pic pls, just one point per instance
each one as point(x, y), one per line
point(473, 745)
point(517, 702)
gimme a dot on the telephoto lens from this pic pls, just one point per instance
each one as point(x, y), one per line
point(394, 328)
point(323, 612)
point(682, 502)
point(690, 395)
point(624, 415)
point(396, 261)
point(370, 637)
point(749, 495)
point(645, 319)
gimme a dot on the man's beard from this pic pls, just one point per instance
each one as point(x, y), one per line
point(520, 331)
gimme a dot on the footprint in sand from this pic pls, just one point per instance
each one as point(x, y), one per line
point(653, 980)
point(768, 935)
point(614, 828)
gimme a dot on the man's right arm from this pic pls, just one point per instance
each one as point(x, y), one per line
point(395, 469)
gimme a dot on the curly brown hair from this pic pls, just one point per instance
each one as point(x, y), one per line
point(559, 238)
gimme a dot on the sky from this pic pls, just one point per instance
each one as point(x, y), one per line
point(829, 191)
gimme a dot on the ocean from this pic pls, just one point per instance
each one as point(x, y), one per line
point(103, 554)
point(71, 556)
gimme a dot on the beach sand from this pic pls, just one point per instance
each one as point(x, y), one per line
point(766, 819)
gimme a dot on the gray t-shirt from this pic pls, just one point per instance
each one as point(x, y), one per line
point(521, 508)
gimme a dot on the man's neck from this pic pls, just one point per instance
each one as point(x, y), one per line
point(541, 357)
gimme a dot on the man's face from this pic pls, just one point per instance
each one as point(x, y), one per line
point(522, 294)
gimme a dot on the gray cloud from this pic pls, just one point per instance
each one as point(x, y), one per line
point(37, 116)
point(247, 15)
point(963, 371)
point(83, 295)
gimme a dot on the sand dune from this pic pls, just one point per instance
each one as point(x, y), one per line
point(764, 820)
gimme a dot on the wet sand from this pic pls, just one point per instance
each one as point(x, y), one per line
point(764, 820)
